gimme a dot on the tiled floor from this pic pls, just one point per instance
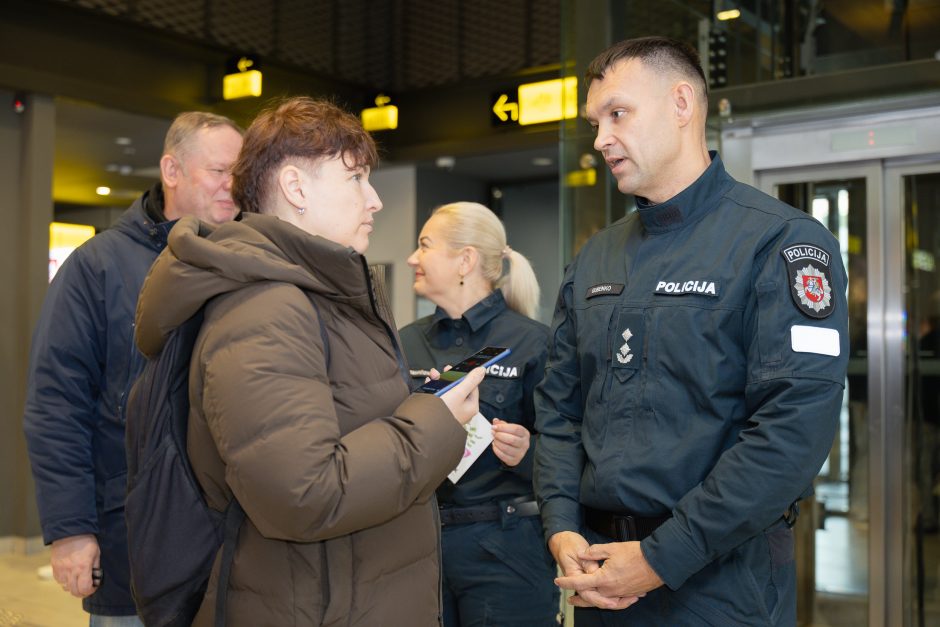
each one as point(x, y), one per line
point(28, 601)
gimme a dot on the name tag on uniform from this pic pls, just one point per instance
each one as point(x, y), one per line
point(604, 289)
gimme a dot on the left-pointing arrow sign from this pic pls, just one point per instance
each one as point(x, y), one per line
point(506, 110)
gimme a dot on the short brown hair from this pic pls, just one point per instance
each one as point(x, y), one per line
point(187, 124)
point(659, 53)
point(295, 128)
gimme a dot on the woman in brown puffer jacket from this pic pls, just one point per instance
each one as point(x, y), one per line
point(299, 401)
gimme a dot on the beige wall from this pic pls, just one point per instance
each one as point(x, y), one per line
point(394, 236)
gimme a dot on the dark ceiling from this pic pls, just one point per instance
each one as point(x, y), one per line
point(426, 49)
point(396, 46)
point(378, 45)
point(96, 146)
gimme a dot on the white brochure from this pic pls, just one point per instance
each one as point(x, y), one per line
point(479, 436)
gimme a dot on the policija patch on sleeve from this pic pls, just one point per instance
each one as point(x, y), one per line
point(810, 277)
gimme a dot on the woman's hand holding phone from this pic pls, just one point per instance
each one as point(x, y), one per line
point(463, 400)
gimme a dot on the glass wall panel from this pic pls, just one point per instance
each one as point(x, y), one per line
point(921, 201)
point(832, 535)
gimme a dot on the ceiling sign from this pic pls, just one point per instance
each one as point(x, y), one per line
point(242, 78)
point(537, 103)
point(382, 117)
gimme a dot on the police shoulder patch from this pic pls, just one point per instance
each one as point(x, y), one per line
point(810, 279)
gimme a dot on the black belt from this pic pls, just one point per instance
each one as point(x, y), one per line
point(621, 527)
point(521, 506)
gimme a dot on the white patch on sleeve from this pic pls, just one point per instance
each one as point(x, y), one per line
point(817, 340)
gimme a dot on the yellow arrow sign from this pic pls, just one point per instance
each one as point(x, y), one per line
point(548, 101)
point(244, 63)
point(506, 110)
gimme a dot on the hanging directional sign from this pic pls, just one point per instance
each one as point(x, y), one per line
point(548, 101)
point(382, 117)
point(242, 78)
point(536, 103)
point(503, 110)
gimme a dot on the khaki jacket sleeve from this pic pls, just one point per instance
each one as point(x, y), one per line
point(270, 410)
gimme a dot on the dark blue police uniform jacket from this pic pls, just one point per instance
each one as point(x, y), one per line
point(517, 587)
point(506, 393)
point(698, 360)
point(83, 362)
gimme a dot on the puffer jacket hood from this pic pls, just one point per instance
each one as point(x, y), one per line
point(202, 262)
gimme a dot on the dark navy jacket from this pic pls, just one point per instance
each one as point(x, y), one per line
point(698, 359)
point(506, 393)
point(83, 362)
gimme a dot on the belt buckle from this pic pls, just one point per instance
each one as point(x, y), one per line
point(626, 528)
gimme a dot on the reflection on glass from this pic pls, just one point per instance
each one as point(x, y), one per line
point(922, 397)
point(832, 533)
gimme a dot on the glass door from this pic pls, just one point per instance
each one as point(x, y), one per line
point(916, 191)
point(834, 530)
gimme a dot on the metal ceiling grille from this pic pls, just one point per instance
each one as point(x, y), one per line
point(364, 42)
point(431, 41)
point(305, 34)
point(494, 40)
point(545, 32)
point(182, 17)
point(243, 24)
point(395, 45)
point(111, 7)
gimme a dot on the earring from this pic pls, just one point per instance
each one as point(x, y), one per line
point(301, 210)
point(461, 280)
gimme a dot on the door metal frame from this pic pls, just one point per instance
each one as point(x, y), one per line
point(884, 453)
point(809, 144)
point(894, 402)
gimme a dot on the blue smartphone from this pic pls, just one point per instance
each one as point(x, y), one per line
point(484, 357)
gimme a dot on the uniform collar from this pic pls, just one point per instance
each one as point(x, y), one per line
point(478, 315)
point(690, 204)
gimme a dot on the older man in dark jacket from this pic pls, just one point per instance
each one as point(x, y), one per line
point(83, 362)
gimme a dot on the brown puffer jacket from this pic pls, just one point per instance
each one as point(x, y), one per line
point(335, 464)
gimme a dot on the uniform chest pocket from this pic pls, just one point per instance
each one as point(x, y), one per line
point(501, 398)
point(627, 344)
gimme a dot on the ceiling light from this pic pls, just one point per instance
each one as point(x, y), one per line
point(542, 161)
point(730, 14)
point(103, 191)
point(122, 141)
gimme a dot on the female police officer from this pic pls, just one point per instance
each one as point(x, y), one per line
point(497, 570)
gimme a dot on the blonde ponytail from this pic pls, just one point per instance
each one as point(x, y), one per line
point(472, 224)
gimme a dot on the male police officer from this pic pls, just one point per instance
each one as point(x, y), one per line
point(696, 372)
point(83, 363)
